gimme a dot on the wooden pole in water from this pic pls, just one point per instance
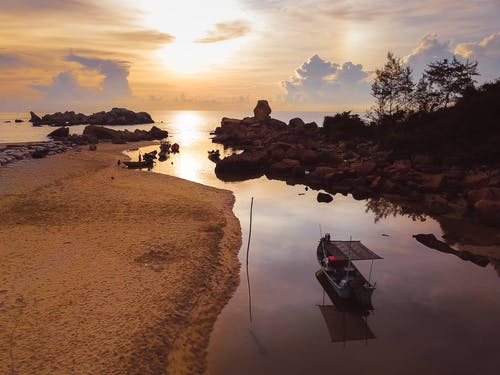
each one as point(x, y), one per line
point(248, 252)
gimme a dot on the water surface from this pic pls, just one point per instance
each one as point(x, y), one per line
point(433, 313)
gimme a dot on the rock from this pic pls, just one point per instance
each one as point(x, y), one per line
point(323, 197)
point(285, 168)
point(59, 133)
point(476, 179)
point(437, 204)
point(430, 182)
point(487, 212)
point(101, 132)
point(262, 110)
point(432, 242)
point(487, 193)
point(18, 120)
point(35, 119)
point(38, 154)
point(117, 116)
point(230, 121)
point(242, 166)
point(296, 123)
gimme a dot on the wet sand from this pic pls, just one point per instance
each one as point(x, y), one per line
point(109, 270)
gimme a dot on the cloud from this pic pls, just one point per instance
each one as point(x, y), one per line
point(429, 49)
point(320, 82)
point(115, 74)
point(486, 52)
point(144, 38)
point(225, 31)
point(9, 60)
point(66, 90)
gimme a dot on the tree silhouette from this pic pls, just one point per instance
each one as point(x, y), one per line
point(448, 80)
point(392, 89)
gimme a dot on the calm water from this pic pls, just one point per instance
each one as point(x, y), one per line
point(434, 313)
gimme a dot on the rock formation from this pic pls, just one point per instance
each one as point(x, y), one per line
point(117, 116)
point(314, 156)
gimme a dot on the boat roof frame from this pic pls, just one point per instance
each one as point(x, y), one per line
point(349, 250)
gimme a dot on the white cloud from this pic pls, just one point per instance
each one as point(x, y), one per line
point(486, 52)
point(321, 82)
point(429, 49)
point(65, 89)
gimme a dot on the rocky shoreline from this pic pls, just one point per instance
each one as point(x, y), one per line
point(10, 153)
point(301, 153)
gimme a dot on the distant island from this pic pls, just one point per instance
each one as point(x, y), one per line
point(117, 116)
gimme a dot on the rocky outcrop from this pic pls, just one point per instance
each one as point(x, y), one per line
point(123, 136)
point(35, 119)
point(262, 110)
point(59, 133)
point(303, 153)
point(117, 116)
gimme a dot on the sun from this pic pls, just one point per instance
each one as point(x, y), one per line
point(188, 21)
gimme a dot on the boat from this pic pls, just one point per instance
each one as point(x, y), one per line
point(336, 261)
point(139, 164)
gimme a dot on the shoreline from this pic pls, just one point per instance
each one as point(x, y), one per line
point(109, 270)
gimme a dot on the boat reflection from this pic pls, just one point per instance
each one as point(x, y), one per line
point(346, 320)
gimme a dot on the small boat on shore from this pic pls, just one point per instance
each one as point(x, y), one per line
point(139, 164)
point(336, 261)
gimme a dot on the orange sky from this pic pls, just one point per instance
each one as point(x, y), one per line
point(226, 54)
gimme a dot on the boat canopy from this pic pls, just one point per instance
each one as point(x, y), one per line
point(348, 250)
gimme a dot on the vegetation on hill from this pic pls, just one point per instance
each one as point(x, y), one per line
point(443, 114)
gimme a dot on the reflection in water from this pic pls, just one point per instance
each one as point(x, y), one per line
point(383, 208)
point(432, 242)
point(346, 321)
point(248, 273)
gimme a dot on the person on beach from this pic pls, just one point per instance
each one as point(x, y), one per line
point(118, 162)
point(140, 157)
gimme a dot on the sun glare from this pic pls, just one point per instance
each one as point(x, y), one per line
point(189, 21)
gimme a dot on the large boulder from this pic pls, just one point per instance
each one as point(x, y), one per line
point(35, 119)
point(285, 168)
point(487, 193)
point(296, 123)
point(324, 197)
point(262, 110)
point(59, 133)
point(238, 167)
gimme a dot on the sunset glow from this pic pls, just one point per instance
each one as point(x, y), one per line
point(221, 55)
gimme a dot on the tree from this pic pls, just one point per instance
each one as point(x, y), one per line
point(392, 88)
point(448, 80)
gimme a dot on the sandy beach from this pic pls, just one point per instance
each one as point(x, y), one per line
point(105, 270)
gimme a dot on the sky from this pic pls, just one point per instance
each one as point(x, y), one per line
point(90, 55)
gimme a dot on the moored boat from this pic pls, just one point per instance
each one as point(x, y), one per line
point(336, 261)
point(139, 164)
